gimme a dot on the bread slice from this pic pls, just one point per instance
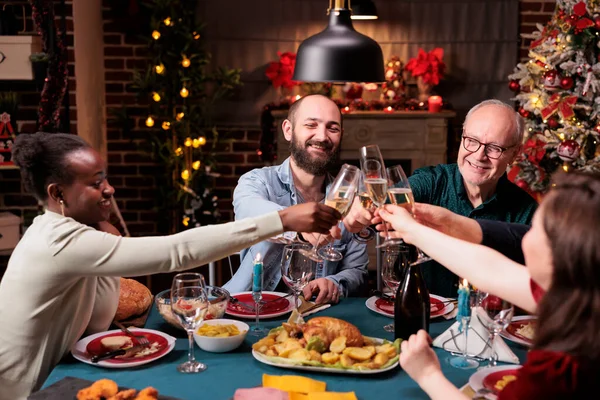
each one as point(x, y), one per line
point(111, 343)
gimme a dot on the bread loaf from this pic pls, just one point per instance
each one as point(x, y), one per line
point(134, 299)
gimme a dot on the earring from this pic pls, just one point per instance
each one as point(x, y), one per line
point(62, 206)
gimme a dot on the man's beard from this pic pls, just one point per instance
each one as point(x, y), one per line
point(316, 166)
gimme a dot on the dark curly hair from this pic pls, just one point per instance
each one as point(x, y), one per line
point(42, 159)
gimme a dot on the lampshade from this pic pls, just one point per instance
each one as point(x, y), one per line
point(339, 53)
point(363, 9)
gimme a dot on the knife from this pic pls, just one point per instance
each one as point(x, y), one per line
point(121, 352)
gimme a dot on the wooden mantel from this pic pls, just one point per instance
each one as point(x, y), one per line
point(418, 136)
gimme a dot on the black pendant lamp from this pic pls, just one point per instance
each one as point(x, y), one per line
point(363, 9)
point(339, 53)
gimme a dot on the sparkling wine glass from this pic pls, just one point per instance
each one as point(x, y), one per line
point(296, 268)
point(189, 303)
point(400, 193)
point(395, 261)
point(340, 196)
point(367, 233)
point(376, 182)
point(495, 315)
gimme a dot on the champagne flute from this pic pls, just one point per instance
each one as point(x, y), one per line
point(296, 268)
point(367, 233)
point(495, 315)
point(340, 196)
point(400, 194)
point(189, 303)
point(395, 261)
point(376, 182)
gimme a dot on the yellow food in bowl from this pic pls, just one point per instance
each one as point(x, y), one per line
point(218, 330)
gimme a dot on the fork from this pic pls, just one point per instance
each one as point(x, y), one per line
point(142, 340)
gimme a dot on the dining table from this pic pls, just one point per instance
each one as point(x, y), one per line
point(229, 371)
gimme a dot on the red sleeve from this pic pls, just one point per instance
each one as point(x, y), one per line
point(546, 375)
point(536, 291)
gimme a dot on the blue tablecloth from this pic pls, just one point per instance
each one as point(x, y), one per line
point(229, 371)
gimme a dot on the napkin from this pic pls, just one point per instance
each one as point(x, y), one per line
point(477, 338)
point(309, 307)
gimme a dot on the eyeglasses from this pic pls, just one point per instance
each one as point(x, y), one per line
point(493, 151)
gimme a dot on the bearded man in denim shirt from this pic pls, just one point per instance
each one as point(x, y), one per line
point(314, 130)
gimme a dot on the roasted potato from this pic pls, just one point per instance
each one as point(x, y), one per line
point(360, 353)
point(380, 359)
point(346, 361)
point(330, 358)
point(338, 345)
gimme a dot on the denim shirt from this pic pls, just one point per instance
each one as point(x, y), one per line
point(272, 188)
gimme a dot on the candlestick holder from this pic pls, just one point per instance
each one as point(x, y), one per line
point(257, 286)
point(463, 361)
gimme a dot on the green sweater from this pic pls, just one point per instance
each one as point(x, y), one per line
point(443, 186)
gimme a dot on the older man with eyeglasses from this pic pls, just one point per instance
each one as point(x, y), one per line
point(477, 186)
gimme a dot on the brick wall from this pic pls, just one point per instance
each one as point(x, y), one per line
point(132, 173)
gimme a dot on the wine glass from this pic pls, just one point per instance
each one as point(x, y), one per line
point(400, 194)
point(339, 196)
point(296, 268)
point(495, 315)
point(367, 233)
point(395, 260)
point(376, 182)
point(189, 303)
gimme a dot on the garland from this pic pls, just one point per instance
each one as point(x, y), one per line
point(55, 85)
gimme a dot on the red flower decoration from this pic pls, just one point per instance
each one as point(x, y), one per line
point(428, 65)
point(281, 72)
point(534, 149)
point(578, 19)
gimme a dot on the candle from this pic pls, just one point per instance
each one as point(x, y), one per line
point(298, 97)
point(389, 109)
point(346, 110)
point(257, 275)
point(435, 103)
point(464, 308)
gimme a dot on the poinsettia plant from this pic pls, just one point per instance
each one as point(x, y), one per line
point(281, 72)
point(429, 66)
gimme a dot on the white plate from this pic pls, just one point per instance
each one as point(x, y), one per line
point(370, 303)
point(521, 319)
point(79, 351)
point(290, 307)
point(285, 363)
point(476, 380)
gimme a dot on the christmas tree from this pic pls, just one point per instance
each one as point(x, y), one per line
point(558, 93)
point(181, 90)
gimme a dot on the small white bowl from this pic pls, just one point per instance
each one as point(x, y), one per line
point(221, 344)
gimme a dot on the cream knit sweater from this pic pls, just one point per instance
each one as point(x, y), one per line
point(62, 281)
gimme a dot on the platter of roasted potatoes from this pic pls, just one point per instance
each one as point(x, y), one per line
point(326, 344)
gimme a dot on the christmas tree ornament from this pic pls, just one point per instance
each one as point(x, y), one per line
point(551, 80)
point(597, 21)
point(568, 150)
point(553, 123)
point(514, 85)
point(566, 83)
point(524, 113)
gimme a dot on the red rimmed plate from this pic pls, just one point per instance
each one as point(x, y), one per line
point(276, 306)
point(512, 331)
point(489, 377)
point(91, 345)
point(439, 306)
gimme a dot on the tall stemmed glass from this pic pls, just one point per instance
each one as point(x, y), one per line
point(339, 196)
point(296, 268)
point(395, 261)
point(367, 233)
point(376, 182)
point(495, 315)
point(189, 303)
point(400, 193)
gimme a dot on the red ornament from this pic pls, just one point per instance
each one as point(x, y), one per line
point(597, 22)
point(514, 86)
point(551, 80)
point(540, 63)
point(566, 82)
point(553, 123)
point(522, 184)
point(524, 113)
point(568, 150)
point(573, 19)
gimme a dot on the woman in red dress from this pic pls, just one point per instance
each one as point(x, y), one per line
point(561, 285)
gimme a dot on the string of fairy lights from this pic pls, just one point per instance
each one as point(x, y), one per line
point(177, 121)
